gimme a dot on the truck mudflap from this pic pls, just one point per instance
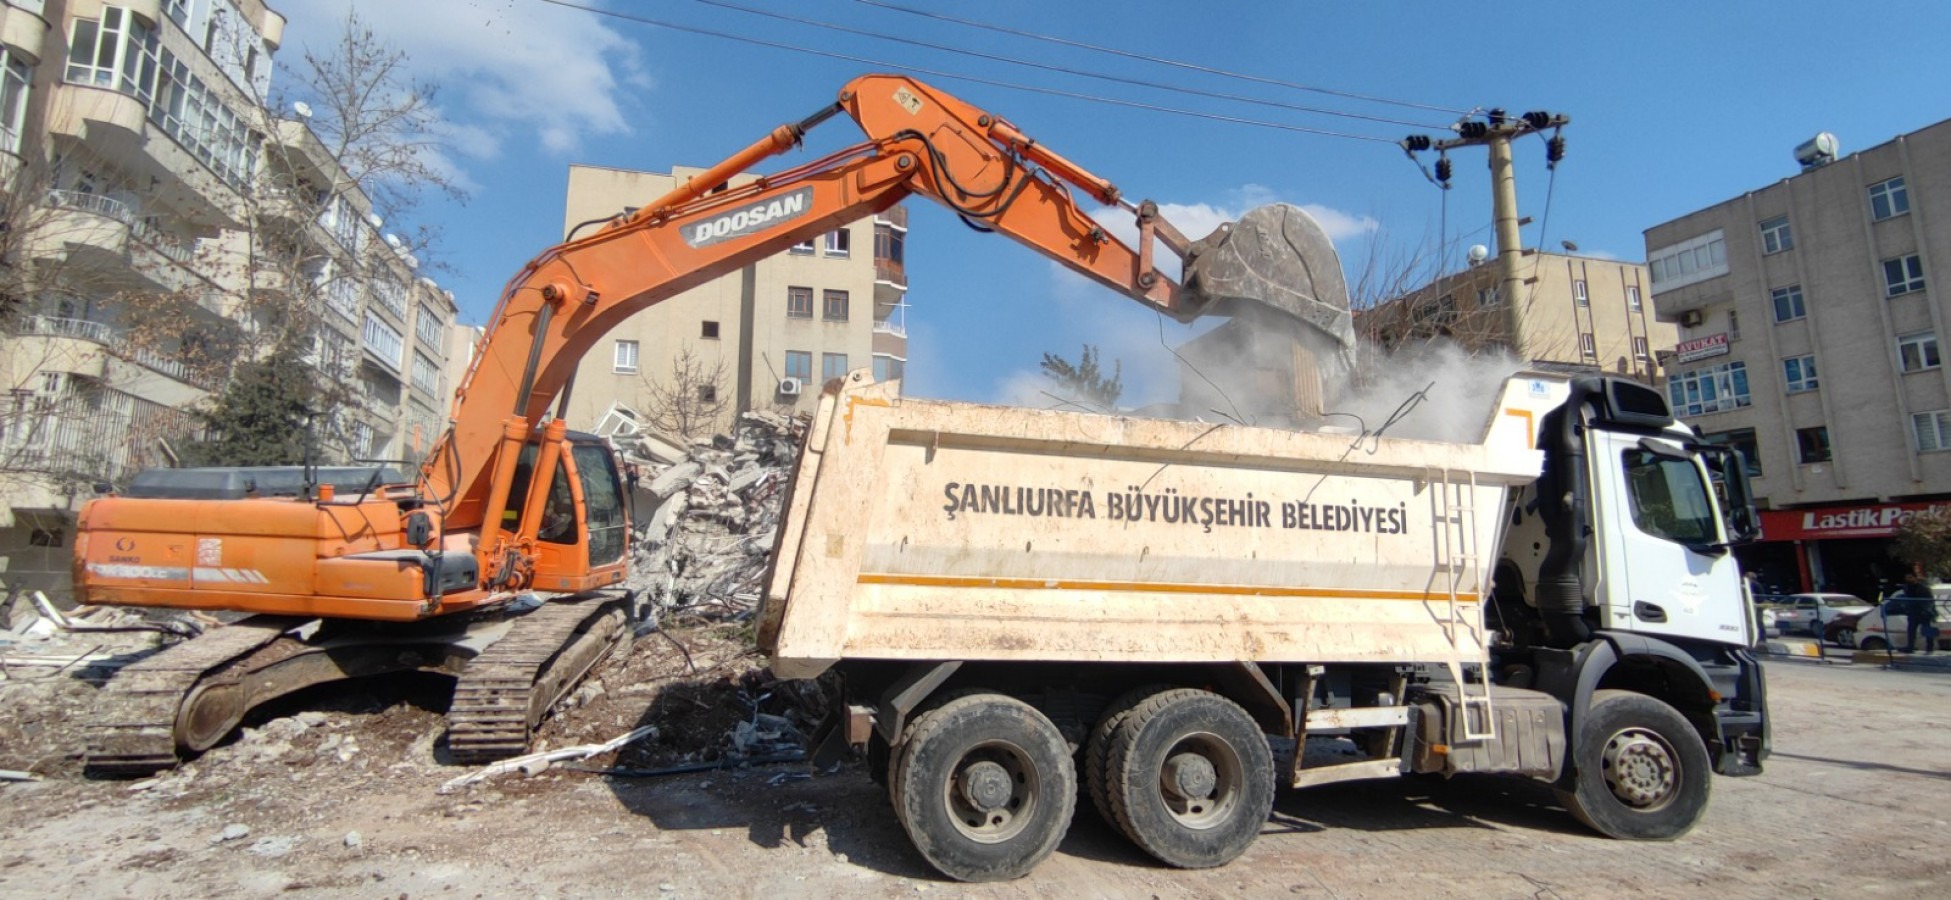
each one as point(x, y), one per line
point(1720, 689)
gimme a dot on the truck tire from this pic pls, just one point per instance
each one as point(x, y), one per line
point(1642, 772)
point(1097, 749)
point(985, 787)
point(1190, 778)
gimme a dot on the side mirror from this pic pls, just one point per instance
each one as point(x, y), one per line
point(104, 488)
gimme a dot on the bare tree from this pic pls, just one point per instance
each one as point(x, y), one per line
point(690, 400)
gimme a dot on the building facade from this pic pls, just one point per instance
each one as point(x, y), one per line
point(1810, 313)
point(1578, 311)
point(163, 226)
point(764, 337)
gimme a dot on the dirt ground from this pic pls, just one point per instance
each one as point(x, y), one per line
point(336, 793)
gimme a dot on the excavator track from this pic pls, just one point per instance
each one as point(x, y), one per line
point(504, 693)
point(178, 697)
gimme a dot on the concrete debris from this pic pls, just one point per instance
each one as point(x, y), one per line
point(354, 840)
point(702, 546)
point(17, 775)
point(232, 832)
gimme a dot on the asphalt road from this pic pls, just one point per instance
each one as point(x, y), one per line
point(1853, 803)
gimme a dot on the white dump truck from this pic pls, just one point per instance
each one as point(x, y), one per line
point(1018, 600)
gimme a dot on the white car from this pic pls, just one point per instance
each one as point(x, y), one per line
point(1881, 629)
point(1810, 612)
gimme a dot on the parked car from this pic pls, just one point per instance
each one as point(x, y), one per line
point(1883, 627)
point(1841, 630)
point(1810, 612)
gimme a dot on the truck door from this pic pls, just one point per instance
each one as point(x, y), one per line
point(1669, 570)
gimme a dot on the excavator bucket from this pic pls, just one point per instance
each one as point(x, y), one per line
point(1276, 268)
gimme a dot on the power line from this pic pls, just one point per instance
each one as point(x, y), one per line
point(1137, 82)
point(936, 73)
point(1195, 67)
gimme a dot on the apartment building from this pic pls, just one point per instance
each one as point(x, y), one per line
point(764, 337)
point(161, 227)
point(1810, 313)
point(1578, 311)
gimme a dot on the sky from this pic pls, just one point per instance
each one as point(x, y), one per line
point(1675, 106)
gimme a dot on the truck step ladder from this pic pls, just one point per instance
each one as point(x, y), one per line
point(1460, 562)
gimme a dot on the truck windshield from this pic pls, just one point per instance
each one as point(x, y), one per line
point(1669, 498)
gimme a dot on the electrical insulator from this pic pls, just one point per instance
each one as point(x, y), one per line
point(1473, 129)
point(1443, 170)
point(1496, 117)
point(1416, 143)
point(1555, 149)
point(1537, 119)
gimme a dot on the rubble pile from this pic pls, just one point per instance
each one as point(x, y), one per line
point(713, 516)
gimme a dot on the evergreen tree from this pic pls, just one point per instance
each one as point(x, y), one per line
point(264, 415)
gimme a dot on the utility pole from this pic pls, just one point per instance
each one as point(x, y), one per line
point(1496, 131)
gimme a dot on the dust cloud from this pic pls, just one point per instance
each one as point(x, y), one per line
point(1460, 390)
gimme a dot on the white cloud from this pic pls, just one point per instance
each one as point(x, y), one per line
point(510, 70)
point(1340, 225)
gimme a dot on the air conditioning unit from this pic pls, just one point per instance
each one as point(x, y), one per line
point(790, 387)
point(1692, 318)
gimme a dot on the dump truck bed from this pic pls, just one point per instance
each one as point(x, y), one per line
point(933, 530)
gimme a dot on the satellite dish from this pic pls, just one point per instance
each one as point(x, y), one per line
point(1569, 246)
point(1479, 253)
point(303, 109)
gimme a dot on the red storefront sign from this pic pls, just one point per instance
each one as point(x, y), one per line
point(1701, 348)
point(1873, 520)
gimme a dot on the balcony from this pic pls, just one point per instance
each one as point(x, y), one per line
point(890, 338)
point(896, 216)
point(54, 356)
point(23, 24)
point(109, 228)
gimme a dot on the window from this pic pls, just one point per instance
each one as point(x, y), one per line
point(196, 116)
point(799, 303)
point(833, 306)
point(1709, 390)
point(839, 242)
point(13, 100)
point(1639, 349)
point(1742, 439)
point(391, 294)
point(1800, 372)
point(1789, 305)
point(385, 342)
point(1812, 444)
point(1903, 275)
point(426, 375)
point(426, 327)
point(178, 11)
point(1632, 297)
point(1917, 352)
point(1487, 297)
point(799, 364)
point(1587, 346)
point(1932, 429)
point(710, 331)
point(833, 365)
point(707, 393)
point(603, 503)
point(1692, 260)
point(118, 52)
point(803, 248)
point(1889, 198)
point(1775, 236)
point(888, 243)
point(888, 368)
point(1578, 293)
point(626, 358)
point(1669, 498)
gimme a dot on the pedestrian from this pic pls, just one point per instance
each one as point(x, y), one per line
point(1920, 615)
point(630, 473)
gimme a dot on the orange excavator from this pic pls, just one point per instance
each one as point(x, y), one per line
point(354, 572)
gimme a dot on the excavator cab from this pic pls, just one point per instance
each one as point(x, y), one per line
point(574, 553)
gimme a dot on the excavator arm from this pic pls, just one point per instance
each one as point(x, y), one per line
point(920, 142)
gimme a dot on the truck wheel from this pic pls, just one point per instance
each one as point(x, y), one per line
point(1642, 772)
point(985, 787)
point(1097, 750)
point(1190, 778)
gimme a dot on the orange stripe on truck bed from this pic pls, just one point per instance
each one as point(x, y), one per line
point(1154, 587)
